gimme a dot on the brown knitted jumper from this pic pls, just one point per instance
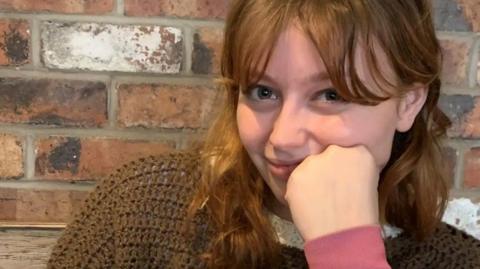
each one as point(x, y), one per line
point(131, 220)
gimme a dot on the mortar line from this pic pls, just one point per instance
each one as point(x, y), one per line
point(120, 8)
point(48, 185)
point(474, 67)
point(29, 158)
point(112, 103)
point(116, 19)
point(36, 43)
point(188, 38)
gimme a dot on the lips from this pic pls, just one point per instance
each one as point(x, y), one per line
point(282, 169)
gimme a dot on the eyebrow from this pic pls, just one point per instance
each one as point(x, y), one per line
point(315, 77)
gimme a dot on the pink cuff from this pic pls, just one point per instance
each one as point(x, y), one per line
point(359, 248)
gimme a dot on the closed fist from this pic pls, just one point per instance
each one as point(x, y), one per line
point(334, 191)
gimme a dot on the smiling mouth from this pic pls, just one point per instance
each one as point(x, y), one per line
point(280, 170)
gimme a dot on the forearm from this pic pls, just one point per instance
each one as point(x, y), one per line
point(359, 248)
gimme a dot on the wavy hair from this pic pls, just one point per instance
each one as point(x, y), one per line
point(413, 189)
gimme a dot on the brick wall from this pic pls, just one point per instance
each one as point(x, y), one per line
point(458, 25)
point(88, 85)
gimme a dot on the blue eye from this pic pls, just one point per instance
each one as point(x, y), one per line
point(329, 95)
point(260, 92)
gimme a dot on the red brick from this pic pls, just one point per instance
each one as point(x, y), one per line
point(457, 15)
point(34, 205)
point(8, 204)
point(471, 10)
point(472, 169)
point(456, 52)
point(11, 156)
point(464, 112)
point(67, 158)
point(14, 42)
point(71, 6)
point(213, 9)
point(53, 102)
point(207, 49)
point(163, 106)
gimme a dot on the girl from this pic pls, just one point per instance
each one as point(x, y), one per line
point(329, 127)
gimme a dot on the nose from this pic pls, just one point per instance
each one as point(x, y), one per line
point(289, 131)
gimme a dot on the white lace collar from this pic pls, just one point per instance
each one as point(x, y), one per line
point(460, 213)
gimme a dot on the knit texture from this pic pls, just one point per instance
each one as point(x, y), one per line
point(132, 220)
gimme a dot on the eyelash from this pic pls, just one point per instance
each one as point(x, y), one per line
point(337, 97)
point(323, 93)
point(252, 90)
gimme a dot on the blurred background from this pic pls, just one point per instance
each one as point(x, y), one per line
point(88, 85)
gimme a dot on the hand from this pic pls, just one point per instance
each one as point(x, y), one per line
point(334, 191)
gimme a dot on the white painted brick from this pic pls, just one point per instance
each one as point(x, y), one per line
point(108, 47)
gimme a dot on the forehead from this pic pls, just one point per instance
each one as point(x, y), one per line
point(295, 56)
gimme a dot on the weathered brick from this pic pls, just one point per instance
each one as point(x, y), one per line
point(14, 42)
point(8, 204)
point(472, 13)
point(11, 157)
point(47, 205)
point(68, 158)
point(214, 9)
point(53, 102)
point(456, 51)
point(35, 205)
point(207, 49)
point(108, 47)
point(457, 15)
point(464, 112)
point(71, 6)
point(163, 106)
point(471, 174)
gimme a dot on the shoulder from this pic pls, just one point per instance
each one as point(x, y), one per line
point(171, 172)
point(150, 180)
point(447, 248)
point(143, 199)
point(177, 163)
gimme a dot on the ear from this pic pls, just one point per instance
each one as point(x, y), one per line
point(409, 107)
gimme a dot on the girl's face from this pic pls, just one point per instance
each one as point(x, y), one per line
point(294, 112)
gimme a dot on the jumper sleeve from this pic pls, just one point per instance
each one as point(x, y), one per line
point(88, 242)
point(359, 248)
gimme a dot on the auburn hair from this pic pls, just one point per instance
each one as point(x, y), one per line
point(413, 188)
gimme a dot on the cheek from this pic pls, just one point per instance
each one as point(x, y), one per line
point(377, 136)
point(332, 129)
point(375, 130)
point(379, 142)
point(251, 128)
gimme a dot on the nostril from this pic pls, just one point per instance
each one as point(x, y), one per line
point(286, 139)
